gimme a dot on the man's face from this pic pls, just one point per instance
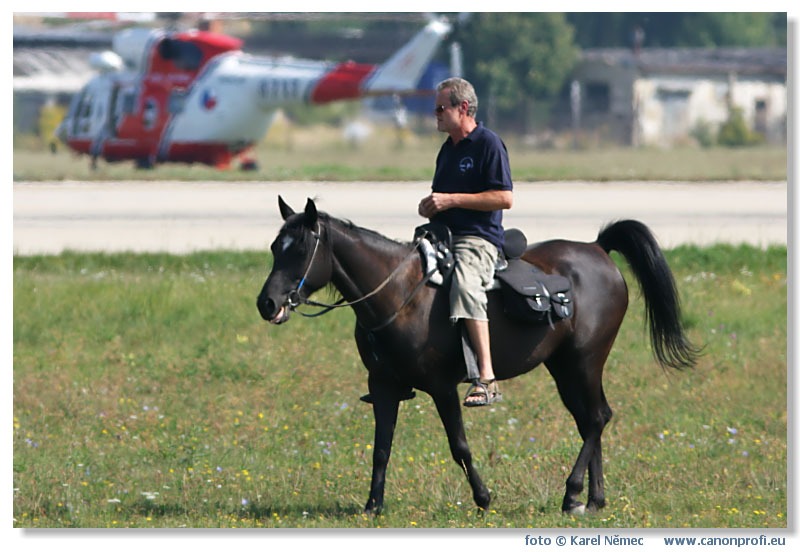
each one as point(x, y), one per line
point(448, 117)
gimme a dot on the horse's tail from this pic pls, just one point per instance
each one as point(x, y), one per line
point(636, 243)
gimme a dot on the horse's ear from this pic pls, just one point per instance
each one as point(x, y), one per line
point(286, 211)
point(311, 214)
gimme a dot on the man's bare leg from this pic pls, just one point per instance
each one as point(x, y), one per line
point(478, 331)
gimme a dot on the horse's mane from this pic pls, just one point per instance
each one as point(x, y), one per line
point(352, 227)
point(326, 220)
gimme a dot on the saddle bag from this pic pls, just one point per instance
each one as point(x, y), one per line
point(530, 295)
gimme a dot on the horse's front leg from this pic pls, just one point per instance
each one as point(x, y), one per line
point(384, 407)
point(449, 408)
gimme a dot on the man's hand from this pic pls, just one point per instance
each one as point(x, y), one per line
point(434, 203)
point(490, 200)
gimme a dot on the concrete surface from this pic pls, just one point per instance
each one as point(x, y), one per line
point(180, 217)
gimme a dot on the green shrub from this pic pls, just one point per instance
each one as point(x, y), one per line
point(735, 132)
point(703, 132)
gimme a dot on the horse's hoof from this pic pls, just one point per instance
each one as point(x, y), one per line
point(373, 509)
point(595, 505)
point(578, 510)
point(483, 500)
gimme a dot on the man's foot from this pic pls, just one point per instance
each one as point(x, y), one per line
point(407, 396)
point(482, 393)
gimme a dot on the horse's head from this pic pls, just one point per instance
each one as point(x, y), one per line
point(301, 264)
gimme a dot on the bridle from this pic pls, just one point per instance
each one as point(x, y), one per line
point(294, 299)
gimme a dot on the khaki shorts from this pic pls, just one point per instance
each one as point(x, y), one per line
point(473, 273)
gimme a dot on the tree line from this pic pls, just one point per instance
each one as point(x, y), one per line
point(517, 59)
point(520, 62)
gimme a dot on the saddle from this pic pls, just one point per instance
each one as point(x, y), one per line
point(436, 245)
point(529, 294)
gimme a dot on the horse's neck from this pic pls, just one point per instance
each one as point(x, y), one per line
point(364, 260)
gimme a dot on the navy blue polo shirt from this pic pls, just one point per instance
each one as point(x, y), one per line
point(475, 164)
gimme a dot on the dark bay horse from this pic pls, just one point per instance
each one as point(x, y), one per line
point(406, 340)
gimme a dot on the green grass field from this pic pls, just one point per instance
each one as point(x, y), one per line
point(149, 393)
point(322, 154)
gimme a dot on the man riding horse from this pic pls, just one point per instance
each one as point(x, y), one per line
point(471, 187)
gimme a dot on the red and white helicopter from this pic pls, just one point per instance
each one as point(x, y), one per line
point(195, 97)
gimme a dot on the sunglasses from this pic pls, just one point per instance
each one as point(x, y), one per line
point(439, 109)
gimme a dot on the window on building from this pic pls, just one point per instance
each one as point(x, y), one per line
point(597, 97)
point(762, 112)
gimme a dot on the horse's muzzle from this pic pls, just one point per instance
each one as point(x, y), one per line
point(271, 312)
point(282, 316)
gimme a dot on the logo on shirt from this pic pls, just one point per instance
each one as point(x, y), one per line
point(466, 164)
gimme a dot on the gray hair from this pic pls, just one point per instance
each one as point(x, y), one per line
point(460, 90)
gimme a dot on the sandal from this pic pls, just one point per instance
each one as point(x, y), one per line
point(486, 392)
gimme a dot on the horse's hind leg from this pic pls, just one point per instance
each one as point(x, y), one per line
point(581, 390)
point(449, 407)
point(597, 494)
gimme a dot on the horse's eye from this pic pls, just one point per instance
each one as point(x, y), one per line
point(274, 248)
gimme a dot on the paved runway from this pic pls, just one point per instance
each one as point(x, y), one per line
point(180, 217)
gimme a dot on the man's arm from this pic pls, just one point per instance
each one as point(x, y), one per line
point(489, 200)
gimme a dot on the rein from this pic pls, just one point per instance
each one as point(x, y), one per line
point(295, 299)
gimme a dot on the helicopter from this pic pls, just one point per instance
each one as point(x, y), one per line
point(194, 96)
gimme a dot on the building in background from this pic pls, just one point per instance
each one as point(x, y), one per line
point(660, 96)
point(635, 96)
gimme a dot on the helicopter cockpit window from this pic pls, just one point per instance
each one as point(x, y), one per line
point(184, 55)
point(176, 101)
point(85, 109)
point(149, 114)
point(83, 119)
point(128, 102)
